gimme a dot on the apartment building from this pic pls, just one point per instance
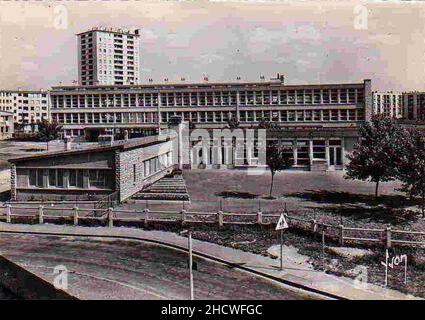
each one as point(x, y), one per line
point(27, 106)
point(108, 56)
point(316, 116)
point(389, 104)
point(6, 125)
point(414, 106)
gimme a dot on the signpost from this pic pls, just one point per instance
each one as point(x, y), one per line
point(189, 240)
point(281, 225)
point(190, 265)
point(395, 261)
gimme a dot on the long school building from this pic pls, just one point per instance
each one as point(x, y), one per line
point(321, 121)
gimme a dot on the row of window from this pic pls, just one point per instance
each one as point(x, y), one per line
point(300, 152)
point(219, 98)
point(69, 178)
point(212, 116)
point(153, 165)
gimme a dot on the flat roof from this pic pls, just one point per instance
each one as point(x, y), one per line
point(120, 144)
point(111, 30)
point(208, 85)
point(6, 113)
point(25, 91)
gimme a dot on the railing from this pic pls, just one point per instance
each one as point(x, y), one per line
point(109, 201)
point(343, 234)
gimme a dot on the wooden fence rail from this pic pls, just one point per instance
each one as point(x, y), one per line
point(343, 234)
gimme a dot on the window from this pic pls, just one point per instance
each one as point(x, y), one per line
point(32, 177)
point(72, 176)
point(36, 178)
point(39, 178)
point(97, 178)
point(52, 178)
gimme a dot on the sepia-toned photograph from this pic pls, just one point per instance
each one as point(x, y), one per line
point(237, 153)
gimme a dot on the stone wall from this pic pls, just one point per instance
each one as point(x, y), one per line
point(128, 162)
point(368, 99)
point(13, 182)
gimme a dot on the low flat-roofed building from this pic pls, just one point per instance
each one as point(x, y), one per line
point(6, 125)
point(122, 167)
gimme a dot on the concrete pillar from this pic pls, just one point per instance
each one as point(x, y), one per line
point(8, 213)
point(368, 104)
point(75, 216)
point(295, 153)
point(313, 225)
point(40, 215)
point(110, 217)
point(327, 152)
point(67, 143)
point(259, 217)
point(220, 218)
point(146, 212)
point(183, 216)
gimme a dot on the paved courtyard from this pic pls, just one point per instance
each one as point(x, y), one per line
point(209, 191)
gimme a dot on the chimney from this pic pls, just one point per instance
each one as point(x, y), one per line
point(67, 143)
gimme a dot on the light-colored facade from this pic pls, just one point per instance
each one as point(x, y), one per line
point(108, 56)
point(389, 104)
point(414, 106)
point(6, 125)
point(321, 120)
point(27, 106)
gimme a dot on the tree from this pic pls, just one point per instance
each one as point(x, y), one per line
point(233, 123)
point(276, 159)
point(411, 165)
point(48, 131)
point(374, 157)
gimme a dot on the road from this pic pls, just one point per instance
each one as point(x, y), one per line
point(100, 269)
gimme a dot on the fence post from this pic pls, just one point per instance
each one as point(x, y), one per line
point(146, 211)
point(75, 216)
point(313, 225)
point(40, 215)
point(8, 213)
point(341, 235)
point(183, 213)
point(110, 217)
point(259, 218)
point(388, 237)
point(220, 218)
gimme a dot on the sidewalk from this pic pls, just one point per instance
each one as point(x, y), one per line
point(293, 270)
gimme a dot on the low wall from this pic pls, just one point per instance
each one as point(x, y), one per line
point(26, 285)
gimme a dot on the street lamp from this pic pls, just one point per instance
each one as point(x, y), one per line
point(190, 261)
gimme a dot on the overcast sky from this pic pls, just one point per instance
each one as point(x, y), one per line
point(309, 42)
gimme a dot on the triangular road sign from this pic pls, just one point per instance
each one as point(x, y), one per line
point(282, 224)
